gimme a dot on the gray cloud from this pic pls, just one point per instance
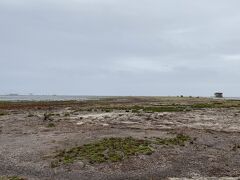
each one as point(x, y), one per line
point(110, 47)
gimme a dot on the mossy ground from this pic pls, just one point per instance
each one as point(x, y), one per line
point(180, 140)
point(114, 149)
point(3, 113)
point(105, 150)
point(151, 109)
point(51, 125)
point(128, 104)
point(147, 109)
point(174, 107)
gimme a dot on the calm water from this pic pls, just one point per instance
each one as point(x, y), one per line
point(47, 98)
point(59, 98)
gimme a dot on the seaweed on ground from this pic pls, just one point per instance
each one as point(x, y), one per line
point(114, 149)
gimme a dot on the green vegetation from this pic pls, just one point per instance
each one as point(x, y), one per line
point(180, 140)
point(67, 114)
point(15, 178)
point(106, 150)
point(135, 111)
point(128, 104)
point(217, 104)
point(30, 115)
point(163, 109)
point(148, 109)
point(108, 110)
point(48, 116)
point(2, 113)
point(181, 107)
point(114, 149)
point(173, 107)
point(207, 105)
point(51, 125)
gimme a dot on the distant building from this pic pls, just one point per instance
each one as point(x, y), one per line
point(218, 95)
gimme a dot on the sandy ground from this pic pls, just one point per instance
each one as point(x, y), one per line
point(27, 144)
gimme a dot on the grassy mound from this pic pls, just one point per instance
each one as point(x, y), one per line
point(114, 149)
point(106, 150)
point(180, 140)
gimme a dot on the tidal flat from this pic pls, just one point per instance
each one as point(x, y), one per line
point(120, 138)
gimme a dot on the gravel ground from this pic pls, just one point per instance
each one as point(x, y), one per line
point(28, 144)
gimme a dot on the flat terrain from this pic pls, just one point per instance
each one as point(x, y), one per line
point(139, 138)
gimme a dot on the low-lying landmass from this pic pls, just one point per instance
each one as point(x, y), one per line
point(120, 138)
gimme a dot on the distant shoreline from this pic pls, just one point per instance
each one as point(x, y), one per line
point(77, 98)
point(45, 98)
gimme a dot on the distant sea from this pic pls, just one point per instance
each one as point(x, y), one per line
point(46, 98)
point(61, 98)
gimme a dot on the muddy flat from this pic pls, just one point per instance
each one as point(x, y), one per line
point(193, 138)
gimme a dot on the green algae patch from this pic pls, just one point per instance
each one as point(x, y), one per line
point(105, 150)
point(51, 125)
point(164, 109)
point(180, 140)
point(3, 113)
point(115, 149)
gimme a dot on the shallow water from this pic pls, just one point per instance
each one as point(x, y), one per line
point(45, 98)
point(61, 98)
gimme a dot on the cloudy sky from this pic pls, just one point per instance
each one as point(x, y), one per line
point(120, 47)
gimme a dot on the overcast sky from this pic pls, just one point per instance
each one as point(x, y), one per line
point(120, 47)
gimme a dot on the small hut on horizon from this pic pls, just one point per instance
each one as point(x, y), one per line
point(218, 95)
